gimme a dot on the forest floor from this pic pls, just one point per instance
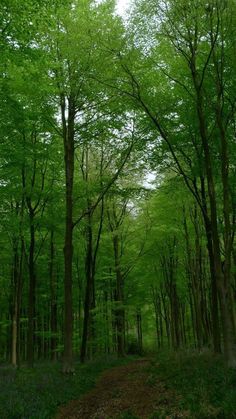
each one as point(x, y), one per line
point(124, 392)
point(187, 386)
point(167, 386)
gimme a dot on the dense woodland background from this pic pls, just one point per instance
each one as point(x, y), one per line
point(94, 257)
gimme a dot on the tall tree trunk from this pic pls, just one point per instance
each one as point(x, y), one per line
point(68, 138)
point(15, 310)
point(31, 297)
point(90, 262)
point(222, 279)
point(157, 309)
point(19, 301)
point(17, 272)
point(214, 293)
point(230, 334)
point(139, 331)
point(89, 288)
point(119, 310)
point(53, 299)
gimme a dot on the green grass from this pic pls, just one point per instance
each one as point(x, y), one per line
point(207, 389)
point(37, 393)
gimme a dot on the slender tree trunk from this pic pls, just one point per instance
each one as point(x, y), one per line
point(17, 296)
point(139, 331)
point(119, 311)
point(89, 289)
point(169, 268)
point(19, 302)
point(214, 293)
point(222, 279)
point(53, 300)
point(166, 317)
point(15, 305)
point(157, 309)
point(230, 333)
point(31, 298)
point(68, 137)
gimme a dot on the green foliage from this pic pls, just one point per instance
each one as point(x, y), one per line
point(127, 415)
point(204, 386)
point(37, 393)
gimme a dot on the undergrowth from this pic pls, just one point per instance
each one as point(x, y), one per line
point(201, 385)
point(37, 393)
point(204, 386)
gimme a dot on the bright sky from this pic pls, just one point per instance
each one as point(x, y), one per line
point(122, 6)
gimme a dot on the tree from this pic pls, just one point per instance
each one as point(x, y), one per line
point(194, 34)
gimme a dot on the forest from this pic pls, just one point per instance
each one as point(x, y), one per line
point(118, 207)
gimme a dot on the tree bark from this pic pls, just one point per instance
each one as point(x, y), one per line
point(17, 296)
point(32, 296)
point(53, 300)
point(68, 138)
point(139, 331)
point(119, 298)
point(222, 279)
point(89, 288)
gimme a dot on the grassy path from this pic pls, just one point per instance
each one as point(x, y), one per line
point(125, 392)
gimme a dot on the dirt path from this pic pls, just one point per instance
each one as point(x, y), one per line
point(126, 391)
